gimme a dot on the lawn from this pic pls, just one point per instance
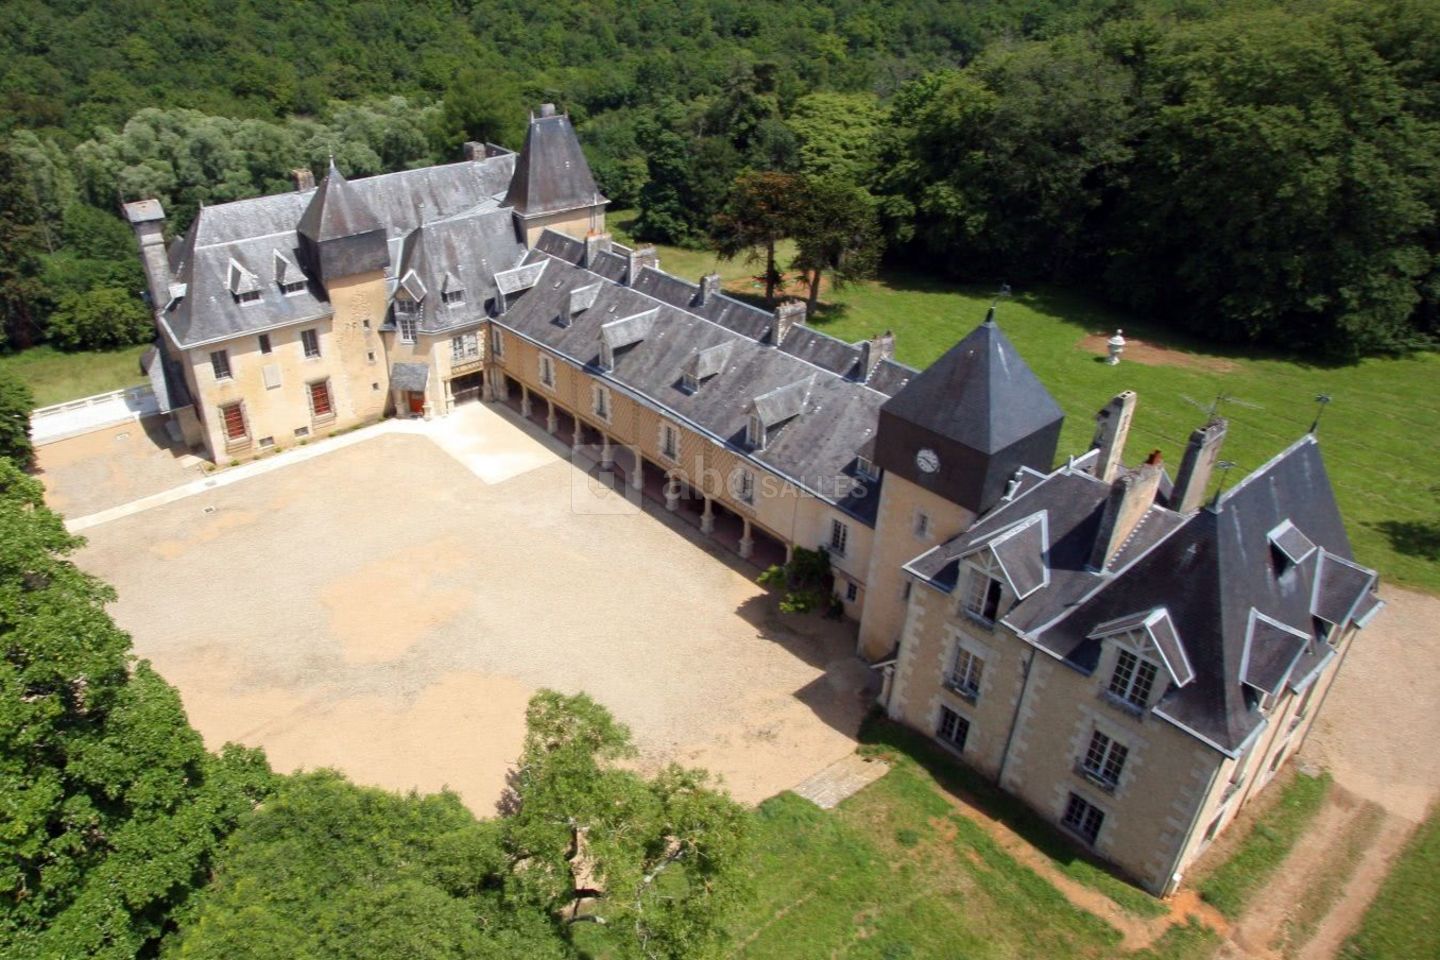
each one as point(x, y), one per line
point(1231, 883)
point(1376, 432)
point(1403, 922)
point(56, 376)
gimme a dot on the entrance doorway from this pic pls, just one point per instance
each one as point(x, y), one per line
point(415, 401)
point(467, 388)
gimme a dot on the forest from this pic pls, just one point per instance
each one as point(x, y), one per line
point(1253, 171)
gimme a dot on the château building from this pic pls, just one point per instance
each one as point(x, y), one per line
point(1130, 658)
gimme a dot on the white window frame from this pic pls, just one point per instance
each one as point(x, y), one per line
point(865, 467)
point(967, 672)
point(956, 721)
point(689, 382)
point(1077, 815)
point(1142, 672)
point(839, 536)
point(547, 371)
point(852, 591)
point(247, 298)
point(600, 402)
point(291, 287)
point(221, 369)
point(305, 344)
point(745, 486)
point(407, 328)
point(451, 298)
point(670, 442)
point(979, 587)
point(755, 432)
point(464, 346)
point(1104, 759)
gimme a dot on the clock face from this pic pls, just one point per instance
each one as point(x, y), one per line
point(927, 460)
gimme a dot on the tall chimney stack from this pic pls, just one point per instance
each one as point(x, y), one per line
point(787, 315)
point(640, 258)
point(147, 219)
point(872, 351)
point(596, 243)
point(1201, 455)
point(1130, 498)
point(709, 288)
point(303, 178)
point(1112, 426)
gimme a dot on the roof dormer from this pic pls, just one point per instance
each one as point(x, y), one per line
point(1151, 630)
point(1020, 553)
point(1291, 546)
point(452, 291)
point(288, 277)
point(704, 364)
point(243, 284)
point(510, 283)
point(1271, 651)
point(625, 332)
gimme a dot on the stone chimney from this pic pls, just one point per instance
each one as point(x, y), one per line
point(709, 288)
point(1198, 464)
point(1112, 426)
point(787, 315)
point(547, 109)
point(147, 219)
point(1131, 495)
point(596, 243)
point(640, 258)
point(472, 150)
point(303, 178)
point(872, 351)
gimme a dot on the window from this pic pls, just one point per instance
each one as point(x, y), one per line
point(852, 592)
point(407, 308)
point(1133, 679)
point(839, 536)
point(370, 356)
point(745, 486)
point(689, 382)
point(311, 341)
point(407, 328)
point(451, 297)
point(922, 524)
point(866, 468)
point(982, 595)
point(1279, 758)
point(497, 342)
point(1083, 817)
point(965, 676)
point(292, 287)
point(1104, 759)
point(602, 402)
point(267, 442)
point(464, 347)
point(755, 433)
point(220, 364)
point(232, 415)
point(1214, 827)
point(953, 729)
point(249, 296)
point(547, 371)
point(669, 442)
point(320, 405)
point(302, 431)
point(265, 343)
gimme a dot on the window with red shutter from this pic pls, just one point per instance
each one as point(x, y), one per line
point(234, 419)
point(320, 399)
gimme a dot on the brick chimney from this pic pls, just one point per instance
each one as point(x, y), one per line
point(303, 178)
point(1131, 495)
point(640, 258)
point(1112, 426)
point(709, 288)
point(147, 219)
point(787, 315)
point(596, 243)
point(1201, 455)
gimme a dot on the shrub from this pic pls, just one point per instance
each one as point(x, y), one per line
point(102, 319)
point(16, 402)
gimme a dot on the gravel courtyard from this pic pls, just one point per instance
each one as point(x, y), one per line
point(388, 607)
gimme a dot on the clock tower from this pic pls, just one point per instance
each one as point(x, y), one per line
point(948, 444)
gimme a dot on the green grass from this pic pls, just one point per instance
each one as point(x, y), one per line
point(1376, 434)
point(55, 376)
point(1325, 885)
point(1230, 884)
point(1403, 922)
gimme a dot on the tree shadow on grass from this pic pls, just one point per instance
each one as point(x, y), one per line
point(1415, 538)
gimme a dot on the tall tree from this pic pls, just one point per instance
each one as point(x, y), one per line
point(837, 230)
point(16, 402)
point(22, 238)
point(762, 209)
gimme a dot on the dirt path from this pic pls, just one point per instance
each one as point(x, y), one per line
point(1359, 890)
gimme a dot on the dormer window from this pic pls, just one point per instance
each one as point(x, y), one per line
point(689, 382)
point(1133, 680)
point(1291, 546)
point(292, 287)
point(249, 296)
point(981, 598)
point(755, 433)
point(452, 297)
point(406, 308)
point(865, 468)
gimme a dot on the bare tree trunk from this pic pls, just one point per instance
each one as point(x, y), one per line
point(814, 290)
point(770, 271)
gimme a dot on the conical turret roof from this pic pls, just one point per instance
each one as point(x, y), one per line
point(337, 211)
point(551, 174)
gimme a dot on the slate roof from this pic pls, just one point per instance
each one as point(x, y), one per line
point(816, 447)
point(253, 231)
point(551, 173)
point(979, 394)
point(463, 254)
point(409, 376)
point(336, 210)
point(1240, 617)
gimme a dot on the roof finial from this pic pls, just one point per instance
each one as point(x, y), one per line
point(1224, 466)
point(1004, 291)
point(1323, 400)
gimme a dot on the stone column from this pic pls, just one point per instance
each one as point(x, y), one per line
point(607, 452)
point(707, 519)
point(747, 545)
point(637, 476)
point(524, 401)
point(487, 385)
point(576, 432)
point(672, 494)
point(552, 422)
point(789, 552)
